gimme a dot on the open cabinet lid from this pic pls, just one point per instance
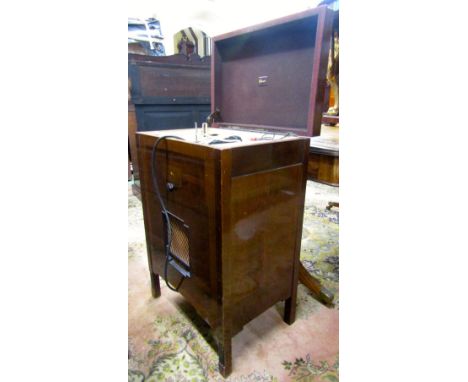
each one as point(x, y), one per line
point(272, 76)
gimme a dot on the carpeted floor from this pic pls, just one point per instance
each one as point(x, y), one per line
point(169, 342)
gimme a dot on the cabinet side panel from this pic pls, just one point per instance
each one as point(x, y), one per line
point(264, 212)
point(191, 200)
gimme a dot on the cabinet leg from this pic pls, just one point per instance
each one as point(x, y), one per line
point(155, 286)
point(225, 357)
point(290, 310)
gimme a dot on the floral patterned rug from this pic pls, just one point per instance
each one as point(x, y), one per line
point(168, 341)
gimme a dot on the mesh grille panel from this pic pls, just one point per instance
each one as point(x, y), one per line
point(179, 245)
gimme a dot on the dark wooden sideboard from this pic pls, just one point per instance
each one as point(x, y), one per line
point(169, 92)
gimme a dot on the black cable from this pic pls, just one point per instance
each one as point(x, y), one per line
point(169, 258)
point(289, 134)
point(164, 210)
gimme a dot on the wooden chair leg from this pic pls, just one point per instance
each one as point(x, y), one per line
point(319, 292)
point(155, 286)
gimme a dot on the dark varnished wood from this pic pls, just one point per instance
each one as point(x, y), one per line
point(332, 204)
point(166, 92)
point(291, 99)
point(324, 168)
point(244, 204)
point(291, 53)
point(176, 79)
point(319, 291)
point(132, 128)
point(245, 222)
point(324, 158)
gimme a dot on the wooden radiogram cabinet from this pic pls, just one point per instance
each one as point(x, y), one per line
point(243, 208)
point(240, 205)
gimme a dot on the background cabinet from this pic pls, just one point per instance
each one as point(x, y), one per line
point(171, 92)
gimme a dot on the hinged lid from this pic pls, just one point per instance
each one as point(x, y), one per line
point(272, 75)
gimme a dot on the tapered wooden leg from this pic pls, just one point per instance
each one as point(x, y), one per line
point(155, 286)
point(318, 291)
point(290, 310)
point(225, 357)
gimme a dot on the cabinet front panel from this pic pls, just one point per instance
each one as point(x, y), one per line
point(193, 203)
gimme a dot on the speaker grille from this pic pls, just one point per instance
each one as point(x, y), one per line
point(179, 240)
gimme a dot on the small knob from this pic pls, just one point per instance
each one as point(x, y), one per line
point(170, 186)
